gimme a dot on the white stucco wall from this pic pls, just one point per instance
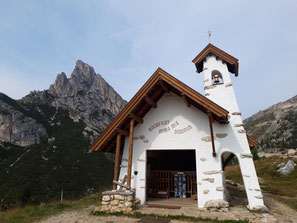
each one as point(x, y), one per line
point(172, 109)
point(224, 96)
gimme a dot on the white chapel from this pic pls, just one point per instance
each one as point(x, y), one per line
point(171, 141)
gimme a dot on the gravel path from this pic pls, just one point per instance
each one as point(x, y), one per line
point(279, 213)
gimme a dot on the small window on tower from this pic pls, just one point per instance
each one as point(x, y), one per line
point(216, 77)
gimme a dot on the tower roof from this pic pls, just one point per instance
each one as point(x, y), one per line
point(232, 62)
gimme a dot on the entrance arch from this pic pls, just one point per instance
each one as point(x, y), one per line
point(235, 192)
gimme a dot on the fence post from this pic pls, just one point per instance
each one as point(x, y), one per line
point(1, 202)
point(62, 196)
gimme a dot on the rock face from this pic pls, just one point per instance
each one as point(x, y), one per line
point(275, 127)
point(16, 128)
point(88, 96)
point(286, 168)
point(45, 138)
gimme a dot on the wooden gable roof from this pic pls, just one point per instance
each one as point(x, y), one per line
point(156, 86)
point(252, 143)
point(232, 62)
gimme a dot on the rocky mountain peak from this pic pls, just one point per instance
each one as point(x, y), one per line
point(83, 75)
point(82, 80)
point(87, 93)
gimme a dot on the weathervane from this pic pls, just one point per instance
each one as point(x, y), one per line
point(209, 35)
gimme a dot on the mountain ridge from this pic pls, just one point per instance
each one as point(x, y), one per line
point(68, 117)
point(276, 126)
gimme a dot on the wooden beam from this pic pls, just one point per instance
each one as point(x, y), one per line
point(163, 85)
point(150, 101)
point(210, 118)
point(116, 162)
point(229, 158)
point(136, 118)
point(184, 97)
point(122, 132)
point(121, 184)
point(130, 151)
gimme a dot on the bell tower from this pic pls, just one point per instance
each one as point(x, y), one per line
point(217, 66)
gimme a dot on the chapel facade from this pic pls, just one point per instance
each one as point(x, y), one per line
point(170, 140)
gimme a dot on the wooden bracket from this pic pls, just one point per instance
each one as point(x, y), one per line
point(131, 135)
point(136, 118)
point(116, 162)
point(150, 101)
point(184, 97)
point(163, 85)
point(226, 161)
point(122, 132)
point(210, 118)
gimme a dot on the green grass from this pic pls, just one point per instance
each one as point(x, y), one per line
point(175, 217)
point(292, 203)
point(31, 213)
point(274, 182)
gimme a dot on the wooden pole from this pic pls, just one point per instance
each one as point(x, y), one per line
point(130, 151)
point(116, 162)
point(62, 196)
point(210, 118)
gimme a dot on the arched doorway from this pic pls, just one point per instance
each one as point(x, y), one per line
point(235, 192)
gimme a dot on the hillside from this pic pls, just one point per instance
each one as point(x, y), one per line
point(275, 127)
point(44, 138)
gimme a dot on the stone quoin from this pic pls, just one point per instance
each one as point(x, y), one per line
point(169, 132)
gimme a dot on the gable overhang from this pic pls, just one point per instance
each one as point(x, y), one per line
point(149, 94)
point(232, 62)
point(252, 142)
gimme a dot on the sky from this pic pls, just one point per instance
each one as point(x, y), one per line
point(126, 41)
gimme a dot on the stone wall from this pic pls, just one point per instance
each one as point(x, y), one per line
point(118, 201)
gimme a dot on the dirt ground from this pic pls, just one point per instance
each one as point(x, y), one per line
point(279, 213)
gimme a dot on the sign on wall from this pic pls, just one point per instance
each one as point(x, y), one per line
point(167, 126)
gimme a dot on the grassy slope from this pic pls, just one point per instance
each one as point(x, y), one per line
point(273, 181)
point(45, 170)
point(33, 213)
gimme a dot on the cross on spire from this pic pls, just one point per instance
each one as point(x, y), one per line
point(209, 35)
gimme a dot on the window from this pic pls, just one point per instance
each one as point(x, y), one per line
point(216, 77)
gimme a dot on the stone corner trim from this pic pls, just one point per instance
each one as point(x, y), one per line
point(210, 180)
point(259, 197)
point(236, 113)
point(246, 155)
point(220, 188)
point(216, 204)
point(206, 138)
point(228, 85)
point(221, 135)
point(141, 160)
point(213, 172)
point(241, 131)
point(205, 191)
point(259, 208)
point(209, 87)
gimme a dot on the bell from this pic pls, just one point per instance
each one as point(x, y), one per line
point(216, 79)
